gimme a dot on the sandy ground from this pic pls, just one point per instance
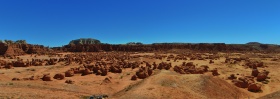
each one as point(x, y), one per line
point(162, 84)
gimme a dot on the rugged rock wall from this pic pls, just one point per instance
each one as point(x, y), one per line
point(21, 49)
point(3, 48)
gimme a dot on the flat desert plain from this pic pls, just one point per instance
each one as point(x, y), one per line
point(138, 75)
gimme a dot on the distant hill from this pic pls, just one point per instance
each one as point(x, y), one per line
point(83, 41)
point(254, 43)
point(134, 43)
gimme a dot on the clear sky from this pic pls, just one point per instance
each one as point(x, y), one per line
point(56, 22)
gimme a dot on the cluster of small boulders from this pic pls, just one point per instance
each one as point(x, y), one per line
point(29, 78)
point(101, 68)
point(250, 82)
point(254, 64)
point(190, 68)
point(33, 62)
point(236, 60)
point(147, 71)
point(142, 73)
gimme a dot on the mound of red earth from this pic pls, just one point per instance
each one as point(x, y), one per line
point(274, 95)
point(170, 85)
point(106, 81)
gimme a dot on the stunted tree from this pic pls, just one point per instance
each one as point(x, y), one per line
point(20, 42)
point(139, 43)
point(134, 43)
point(131, 43)
point(8, 41)
point(96, 42)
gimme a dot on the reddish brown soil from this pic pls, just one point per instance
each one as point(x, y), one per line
point(161, 84)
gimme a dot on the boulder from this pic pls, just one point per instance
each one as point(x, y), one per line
point(255, 87)
point(215, 72)
point(150, 72)
point(69, 73)
point(142, 75)
point(211, 62)
point(232, 76)
point(47, 77)
point(134, 77)
point(261, 76)
point(15, 79)
point(190, 64)
point(104, 72)
point(59, 76)
point(255, 72)
point(8, 66)
point(86, 72)
point(240, 83)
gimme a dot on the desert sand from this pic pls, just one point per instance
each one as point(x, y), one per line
point(131, 75)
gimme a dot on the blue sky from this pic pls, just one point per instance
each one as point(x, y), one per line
point(56, 22)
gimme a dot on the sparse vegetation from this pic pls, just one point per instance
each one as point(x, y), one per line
point(134, 43)
point(121, 76)
point(10, 83)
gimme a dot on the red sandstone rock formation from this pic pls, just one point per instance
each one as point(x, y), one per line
point(69, 73)
point(255, 87)
point(59, 76)
point(47, 77)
